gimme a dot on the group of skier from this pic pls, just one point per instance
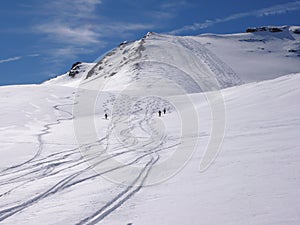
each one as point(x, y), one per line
point(164, 111)
point(159, 113)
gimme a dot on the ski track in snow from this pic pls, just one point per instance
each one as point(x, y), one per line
point(224, 74)
point(72, 165)
point(53, 173)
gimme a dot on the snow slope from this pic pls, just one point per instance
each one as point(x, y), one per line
point(257, 56)
point(255, 178)
point(63, 163)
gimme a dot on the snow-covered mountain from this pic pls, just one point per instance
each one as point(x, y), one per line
point(233, 59)
point(225, 152)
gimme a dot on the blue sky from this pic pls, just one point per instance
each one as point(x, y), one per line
point(41, 39)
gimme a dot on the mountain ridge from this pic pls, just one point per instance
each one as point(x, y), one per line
point(224, 57)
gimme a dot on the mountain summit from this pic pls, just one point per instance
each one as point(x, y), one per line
point(232, 59)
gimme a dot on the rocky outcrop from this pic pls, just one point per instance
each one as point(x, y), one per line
point(295, 30)
point(265, 29)
point(75, 69)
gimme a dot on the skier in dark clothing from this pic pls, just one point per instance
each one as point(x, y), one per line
point(165, 110)
point(159, 113)
point(105, 115)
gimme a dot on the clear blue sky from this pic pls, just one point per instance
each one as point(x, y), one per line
point(40, 39)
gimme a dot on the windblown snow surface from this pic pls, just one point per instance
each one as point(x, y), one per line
point(55, 170)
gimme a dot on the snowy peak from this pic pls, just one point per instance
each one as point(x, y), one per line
point(181, 60)
point(195, 62)
point(111, 64)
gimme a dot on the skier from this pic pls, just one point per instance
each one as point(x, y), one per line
point(165, 110)
point(159, 113)
point(105, 115)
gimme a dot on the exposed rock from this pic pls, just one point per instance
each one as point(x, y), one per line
point(149, 34)
point(263, 29)
point(292, 50)
point(296, 30)
point(75, 69)
point(253, 40)
point(123, 43)
point(275, 29)
point(75, 64)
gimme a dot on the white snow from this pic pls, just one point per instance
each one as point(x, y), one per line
point(56, 147)
point(257, 56)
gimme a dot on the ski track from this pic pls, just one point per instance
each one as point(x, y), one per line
point(225, 75)
point(68, 166)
